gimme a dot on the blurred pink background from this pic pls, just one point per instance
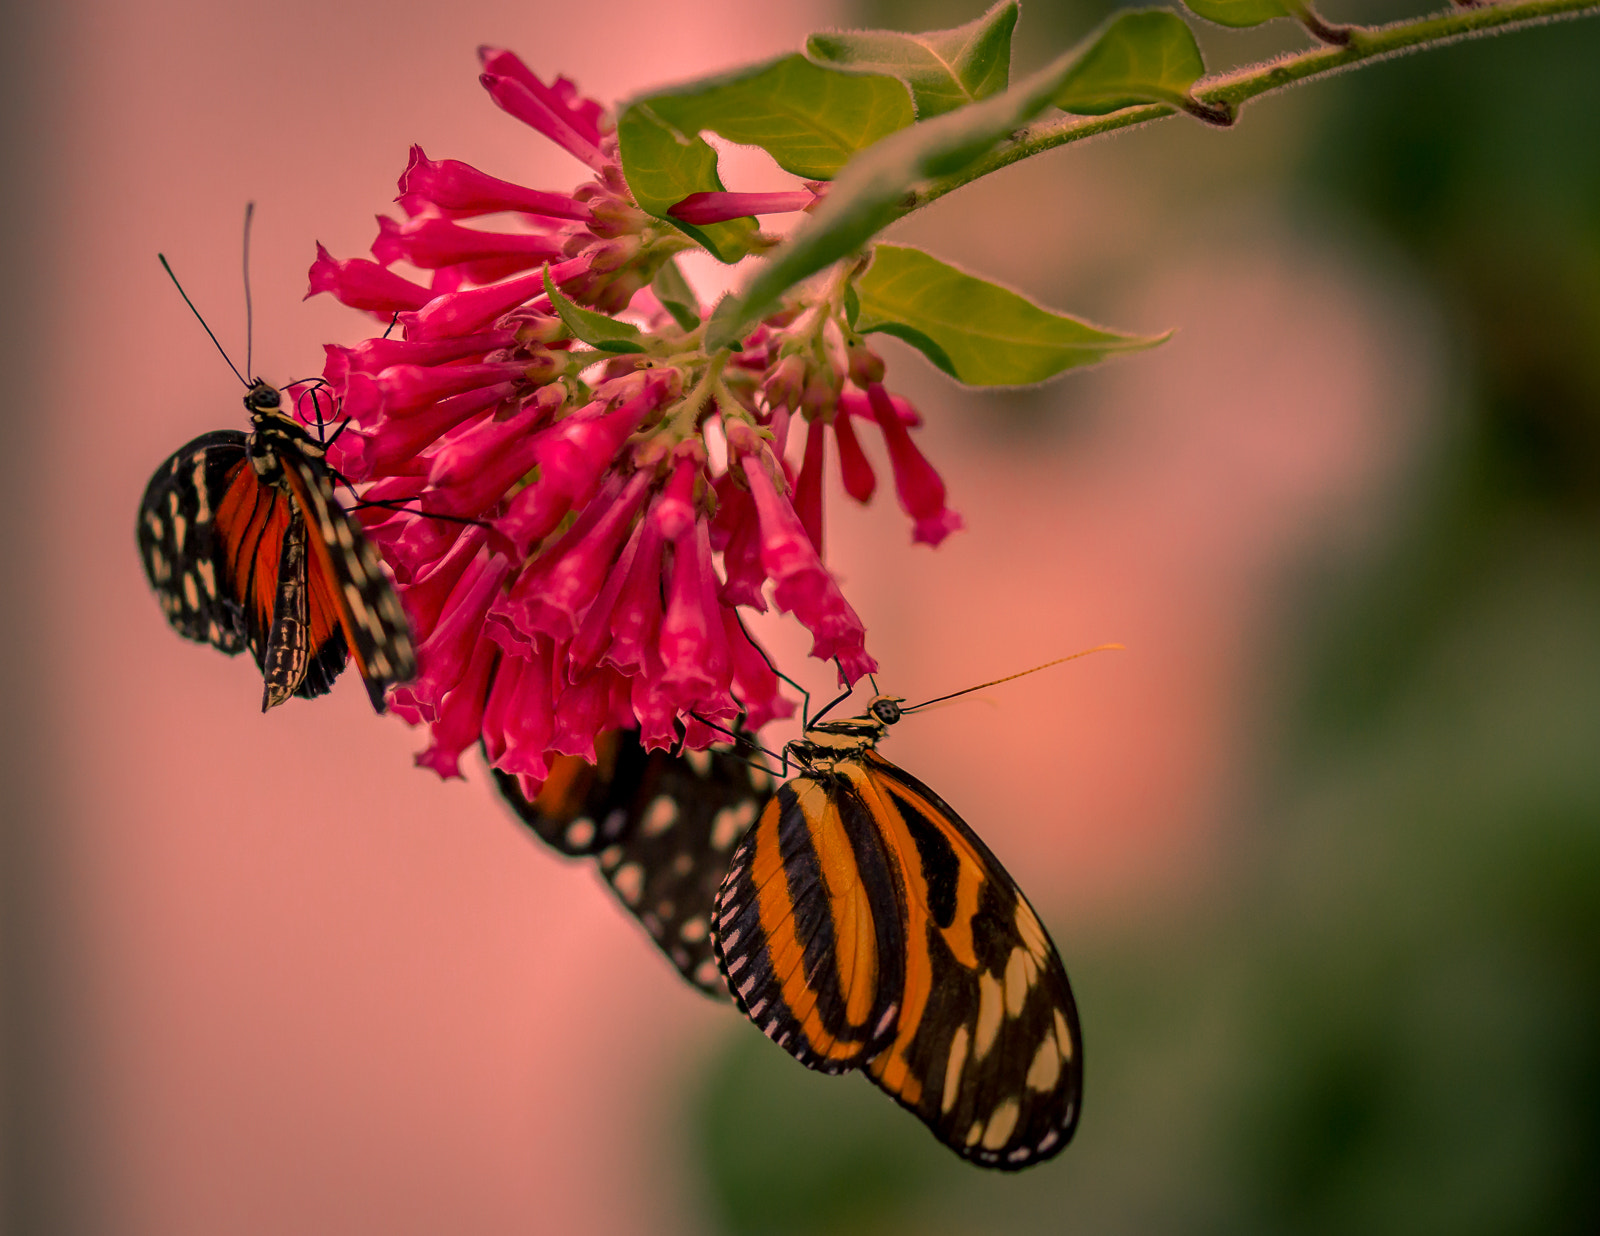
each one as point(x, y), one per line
point(313, 990)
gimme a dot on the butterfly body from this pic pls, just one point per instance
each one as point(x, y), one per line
point(863, 925)
point(246, 546)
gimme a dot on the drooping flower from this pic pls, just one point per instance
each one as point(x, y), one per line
point(574, 531)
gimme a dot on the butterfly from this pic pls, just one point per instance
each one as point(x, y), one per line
point(246, 546)
point(862, 925)
point(661, 825)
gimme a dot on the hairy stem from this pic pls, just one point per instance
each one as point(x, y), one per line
point(1234, 89)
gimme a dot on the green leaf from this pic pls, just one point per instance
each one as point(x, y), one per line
point(595, 329)
point(663, 167)
point(1240, 12)
point(1143, 57)
point(976, 331)
point(674, 292)
point(810, 119)
point(945, 69)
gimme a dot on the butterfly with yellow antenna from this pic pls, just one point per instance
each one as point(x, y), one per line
point(863, 925)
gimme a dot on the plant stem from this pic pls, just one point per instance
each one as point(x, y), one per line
point(1236, 88)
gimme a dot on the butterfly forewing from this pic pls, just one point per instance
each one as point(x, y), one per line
point(179, 543)
point(660, 825)
point(987, 1050)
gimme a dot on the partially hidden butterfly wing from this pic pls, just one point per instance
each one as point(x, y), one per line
point(660, 826)
point(180, 544)
point(980, 1033)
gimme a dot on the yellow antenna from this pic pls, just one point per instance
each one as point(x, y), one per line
point(1023, 674)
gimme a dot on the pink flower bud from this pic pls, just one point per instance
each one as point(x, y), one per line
point(513, 96)
point(702, 209)
point(808, 488)
point(753, 677)
point(919, 487)
point(361, 284)
point(560, 96)
point(673, 510)
point(786, 382)
point(866, 366)
point(854, 470)
point(375, 355)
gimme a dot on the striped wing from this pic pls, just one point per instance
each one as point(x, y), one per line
point(661, 827)
point(349, 591)
point(980, 1036)
point(180, 546)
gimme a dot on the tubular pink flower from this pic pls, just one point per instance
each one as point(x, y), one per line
point(856, 403)
point(392, 444)
point(442, 658)
point(410, 544)
point(464, 456)
point(656, 715)
point(808, 488)
point(519, 721)
point(582, 710)
point(737, 526)
point(515, 98)
point(462, 313)
point(594, 636)
point(361, 284)
point(552, 596)
point(753, 677)
point(703, 208)
point(636, 618)
point(430, 242)
point(673, 511)
point(854, 470)
point(424, 598)
point(693, 646)
point(461, 188)
point(463, 489)
point(405, 389)
point(399, 488)
point(460, 715)
point(919, 487)
point(375, 355)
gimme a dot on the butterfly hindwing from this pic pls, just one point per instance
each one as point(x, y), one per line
point(809, 926)
point(661, 827)
point(179, 543)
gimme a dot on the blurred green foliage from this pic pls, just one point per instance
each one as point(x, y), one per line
point(1386, 1019)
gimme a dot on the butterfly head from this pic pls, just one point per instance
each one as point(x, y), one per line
point(886, 708)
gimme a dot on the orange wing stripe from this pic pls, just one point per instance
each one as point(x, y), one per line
point(251, 521)
point(323, 576)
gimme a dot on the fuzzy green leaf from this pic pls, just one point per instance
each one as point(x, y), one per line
point(945, 69)
point(1240, 12)
point(663, 167)
point(595, 329)
point(1148, 56)
point(810, 119)
point(976, 331)
point(674, 292)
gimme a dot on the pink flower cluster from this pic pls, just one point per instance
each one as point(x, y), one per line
point(573, 531)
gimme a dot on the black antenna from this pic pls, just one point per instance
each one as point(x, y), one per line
point(1023, 673)
point(249, 310)
point(168, 268)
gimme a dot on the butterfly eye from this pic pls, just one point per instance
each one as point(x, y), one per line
point(263, 396)
point(887, 711)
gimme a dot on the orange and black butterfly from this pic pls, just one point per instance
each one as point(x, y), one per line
point(661, 825)
point(246, 546)
point(863, 926)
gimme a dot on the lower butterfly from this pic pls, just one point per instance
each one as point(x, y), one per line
point(863, 925)
point(246, 546)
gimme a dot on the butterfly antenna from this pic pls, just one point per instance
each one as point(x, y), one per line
point(249, 309)
point(166, 266)
point(1023, 674)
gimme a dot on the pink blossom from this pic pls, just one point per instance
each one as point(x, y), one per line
point(459, 722)
point(462, 189)
point(919, 487)
point(706, 208)
point(361, 284)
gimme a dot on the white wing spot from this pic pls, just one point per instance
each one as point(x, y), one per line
point(580, 832)
point(731, 939)
point(180, 527)
point(682, 865)
point(208, 577)
point(974, 1133)
point(953, 1066)
point(1048, 1140)
point(695, 930)
point(706, 973)
point(760, 779)
point(989, 1010)
point(629, 882)
point(700, 761)
point(191, 592)
point(1032, 933)
point(661, 815)
point(611, 856)
point(1001, 1125)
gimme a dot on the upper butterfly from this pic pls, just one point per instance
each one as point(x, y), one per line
point(246, 546)
point(862, 925)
